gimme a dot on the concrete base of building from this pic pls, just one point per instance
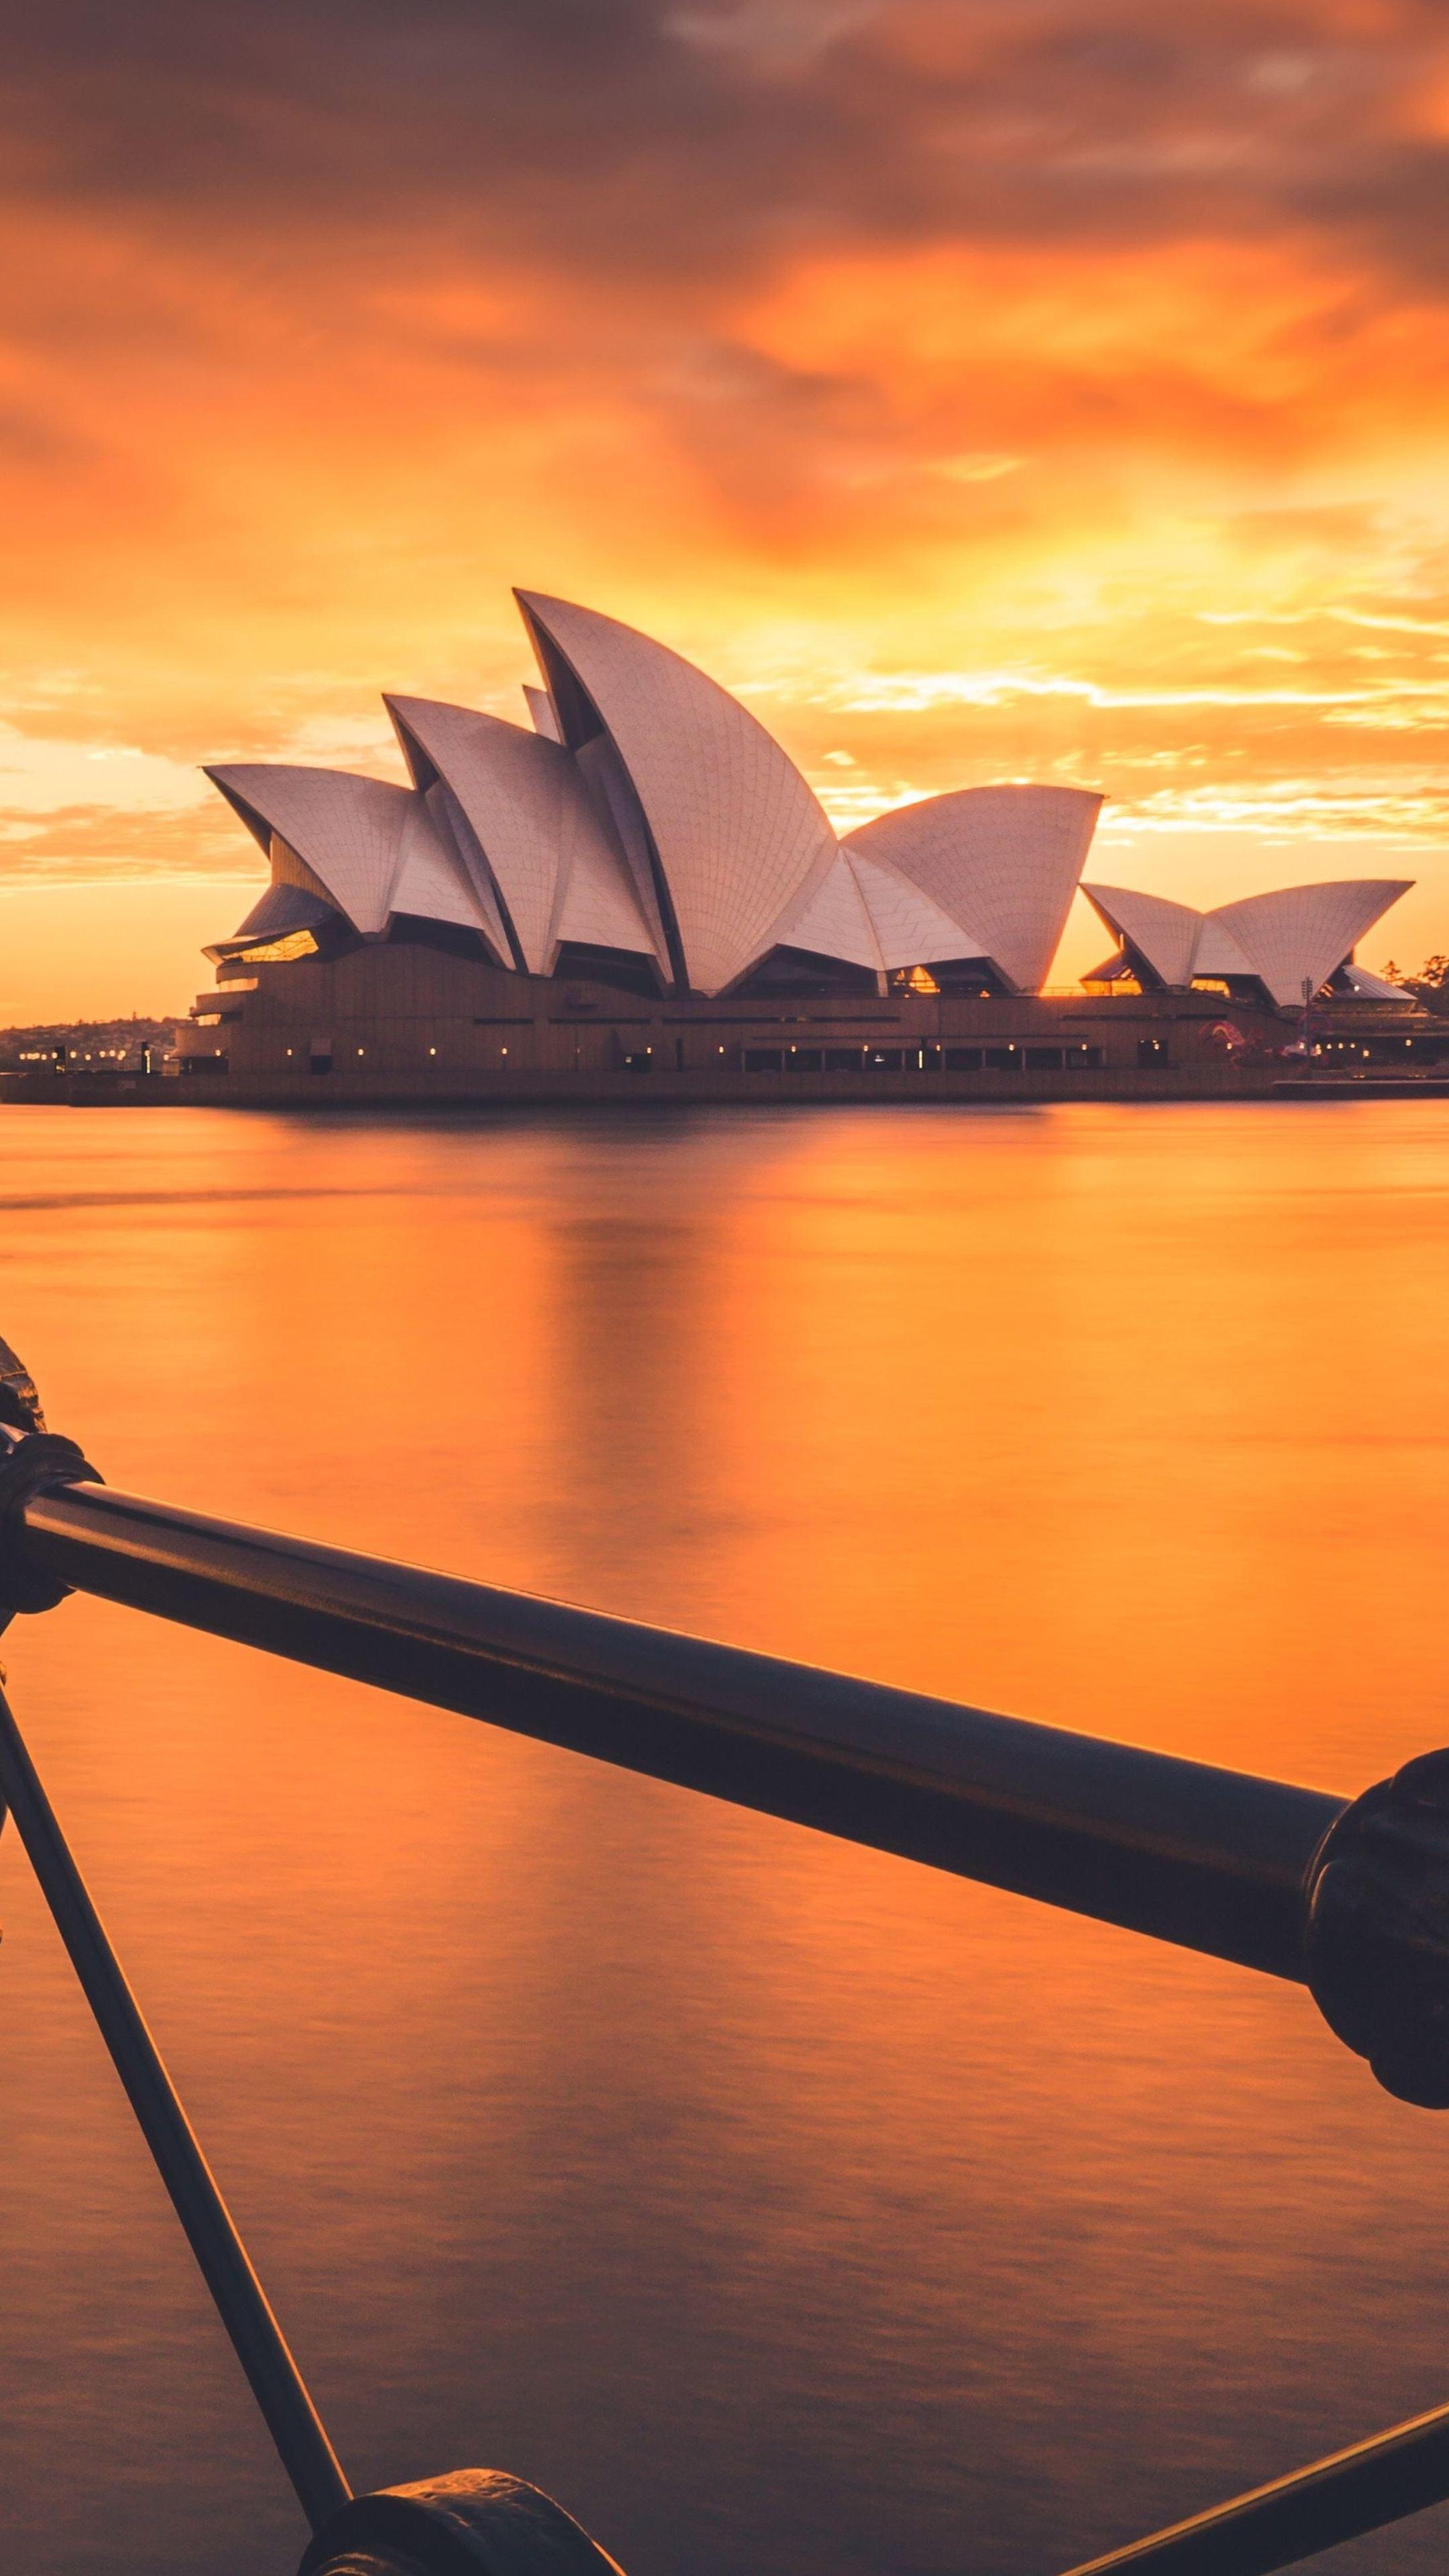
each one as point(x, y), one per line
point(395, 1024)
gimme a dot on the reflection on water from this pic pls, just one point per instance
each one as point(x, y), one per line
point(787, 2210)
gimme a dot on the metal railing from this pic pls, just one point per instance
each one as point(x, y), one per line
point(1348, 1898)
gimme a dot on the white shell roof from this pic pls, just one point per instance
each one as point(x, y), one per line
point(668, 824)
point(1166, 933)
point(740, 837)
point(374, 848)
point(1003, 862)
point(347, 829)
point(532, 844)
point(1298, 935)
point(1292, 937)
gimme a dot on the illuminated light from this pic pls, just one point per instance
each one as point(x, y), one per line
point(279, 952)
point(289, 1050)
point(432, 1050)
point(362, 1050)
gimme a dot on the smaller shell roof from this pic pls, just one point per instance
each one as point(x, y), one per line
point(1292, 937)
point(373, 848)
point(1298, 934)
point(1002, 862)
point(1166, 934)
point(347, 829)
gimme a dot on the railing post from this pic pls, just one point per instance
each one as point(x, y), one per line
point(260, 2347)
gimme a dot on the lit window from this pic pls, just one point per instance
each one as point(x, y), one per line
point(279, 952)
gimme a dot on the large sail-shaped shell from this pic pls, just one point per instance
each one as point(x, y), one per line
point(736, 836)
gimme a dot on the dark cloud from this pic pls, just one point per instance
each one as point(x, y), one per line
point(692, 143)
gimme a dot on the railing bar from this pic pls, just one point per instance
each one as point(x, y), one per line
point(276, 2382)
point(1214, 1860)
point(1378, 2481)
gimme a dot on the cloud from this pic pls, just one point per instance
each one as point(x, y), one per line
point(617, 137)
point(982, 386)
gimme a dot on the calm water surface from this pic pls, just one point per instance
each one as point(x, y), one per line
point(785, 2209)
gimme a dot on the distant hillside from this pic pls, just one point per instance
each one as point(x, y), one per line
point(106, 1046)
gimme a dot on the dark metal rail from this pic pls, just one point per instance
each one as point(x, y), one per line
point(1362, 2489)
point(1351, 1898)
point(1215, 1860)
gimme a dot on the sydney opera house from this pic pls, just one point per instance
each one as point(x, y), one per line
point(639, 888)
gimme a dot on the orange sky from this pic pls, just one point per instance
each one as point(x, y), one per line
point(999, 388)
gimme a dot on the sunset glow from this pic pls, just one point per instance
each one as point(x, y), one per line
point(980, 391)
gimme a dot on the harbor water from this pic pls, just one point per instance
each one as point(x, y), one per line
point(785, 2209)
